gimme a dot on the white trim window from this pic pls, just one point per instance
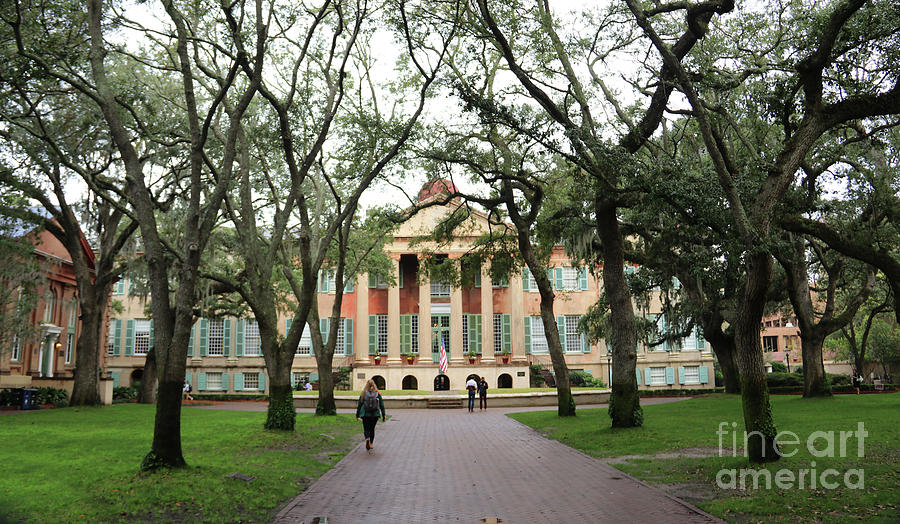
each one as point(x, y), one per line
point(440, 290)
point(214, 381)
point(658, 376)
point(381, 335)
point(465, 333)
point(49, 304)
point(251, 380)
point(339, 348)
point(301, 377)
point(304, 348)
point(532, 283)
point(141, 336)
point(16, 348)
point(414, 329)
point(538, 337)
point(252, 347)
point(215, 342)
point(573, 337)
point(111, 338)
point(691, 374)
point(498, 333)
point(570, 279)
point(70, 346)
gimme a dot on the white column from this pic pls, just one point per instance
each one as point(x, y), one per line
point(361, 326)
point(517, 315)
point(487, 316)
point(394, 313)
point(456, 345)
point(424, 316)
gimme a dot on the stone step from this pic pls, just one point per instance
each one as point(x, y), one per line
point(444, 403)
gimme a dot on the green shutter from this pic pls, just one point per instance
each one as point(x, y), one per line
point(478, 337)
point(226, 338)
point(262, 381)
point(526, 278)
point(129, 337)
point(405, 334)
point(239, 343)
point(238, 381)
point(550, 278)
point(348, 336)
point(188, 378)
point(225, 382)
point(115, 377)
point(582, 279)
point(117, 342)
point(585, 344)
point(559, 278)
point(670, 376)
point(373, 281)
point(681, 374)
point(704, 375)
point(504, 281)
point(506, 340)
point(699, 341)
point(150, 338)
point(373, 333)
point(324, 324)
point(647, 376)
point(204, 339)
point(400, 277)
point(190, 351)
point(561, 327)
point(348, 285)
point(201, 381)
point(323, 285)
point(478, 279)
point(637, 372)
point(528, 335)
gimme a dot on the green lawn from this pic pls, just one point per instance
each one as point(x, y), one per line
point(690, 427)
point(494, 391)
point(81, 465)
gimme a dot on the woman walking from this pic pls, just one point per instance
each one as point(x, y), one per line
point(369, 405)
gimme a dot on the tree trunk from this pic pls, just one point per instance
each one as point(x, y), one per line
point(325, 405)
point(147, 395)
point(624, 401)
point(815, 382)
point(166, 448)
point(281, 414)
point(758, 422)
point(86, 387)
point(725, 355)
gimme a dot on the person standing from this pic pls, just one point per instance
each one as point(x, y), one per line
point(471, 385)
point(187, 391)
point(369, 405)
point(482, 394)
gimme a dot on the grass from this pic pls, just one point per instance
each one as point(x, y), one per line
point(690, 427)
point(494, 391)
point(81, 465)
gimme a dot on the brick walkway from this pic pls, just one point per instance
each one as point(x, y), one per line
point(452, 466)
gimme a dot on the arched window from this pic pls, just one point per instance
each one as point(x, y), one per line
point(410, 382)
point(504, 381)
point(49, 304)
point(379, 382)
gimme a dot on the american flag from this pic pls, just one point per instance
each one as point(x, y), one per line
point(442, 365)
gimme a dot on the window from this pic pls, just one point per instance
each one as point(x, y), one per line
point(16, 348)
point(214, 380)
point(538, 337)
point(339, 347)
point(440, 290)
point(73, 316)
point(573, 337)
point(415, 334)
point(503, 282)
point(251, 339)
point(304, 348)
point(299, 378)
point(691, 374)
point(111, 338)
point(465, 333)
point(381, 341)
point(570, 278)
point(49, 304)
point(251, 380)
point(70, 343)
point(658, 376)
point(770, 343)
point(216, 347)
point(119, 288)
point(498, 333)
point(327, 282)
point(532, 283)
point(141, 337)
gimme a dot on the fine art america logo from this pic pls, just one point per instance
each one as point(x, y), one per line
point(820, 444)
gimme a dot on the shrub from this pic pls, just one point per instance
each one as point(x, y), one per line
point(535, 375)
point(776, 380)
point(125, 394)
point(838, 380)
point(9, 397)
point(585, 379)
point(57, 397)
point(778, 367)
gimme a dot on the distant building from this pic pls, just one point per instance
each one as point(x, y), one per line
point(48, 359)
point(392, 334)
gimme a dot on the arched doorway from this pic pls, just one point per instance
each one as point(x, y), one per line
point(504, 381)
point(410, 382)
point(442, 383)
point(379, 382)
point(136, 377)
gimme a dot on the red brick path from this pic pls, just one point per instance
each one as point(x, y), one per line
point(452, 466)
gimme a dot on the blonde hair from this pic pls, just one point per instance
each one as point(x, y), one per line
point(370, 386)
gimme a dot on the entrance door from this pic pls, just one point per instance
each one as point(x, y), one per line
point(47, 358)
point(440, 330)
point(442, 383)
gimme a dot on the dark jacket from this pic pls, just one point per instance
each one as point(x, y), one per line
point(361, 409)
point(482, 388)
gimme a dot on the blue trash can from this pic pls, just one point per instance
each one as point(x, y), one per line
point(29, 398)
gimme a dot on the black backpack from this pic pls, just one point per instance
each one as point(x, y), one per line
point(370, 401)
